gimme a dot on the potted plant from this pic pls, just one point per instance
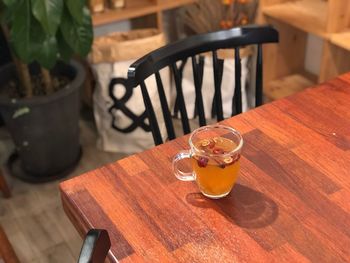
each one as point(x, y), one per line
point(39, 91)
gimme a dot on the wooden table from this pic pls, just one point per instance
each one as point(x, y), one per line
point(291, 204)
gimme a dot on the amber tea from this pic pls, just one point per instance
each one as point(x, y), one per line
point(216, 172)
point(215, 154)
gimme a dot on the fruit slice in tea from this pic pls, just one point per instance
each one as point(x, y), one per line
point(216, 170)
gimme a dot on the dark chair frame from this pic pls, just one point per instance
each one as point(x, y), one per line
point(95, 247)
point(168, 55)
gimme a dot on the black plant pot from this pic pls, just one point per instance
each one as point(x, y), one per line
point(45, 129)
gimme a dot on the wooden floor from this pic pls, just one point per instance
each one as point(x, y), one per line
point(34, 219)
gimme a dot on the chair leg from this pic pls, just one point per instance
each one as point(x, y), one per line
point(4, 186)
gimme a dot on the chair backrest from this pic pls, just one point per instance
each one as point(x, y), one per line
point(95, 247)
point(167, 56)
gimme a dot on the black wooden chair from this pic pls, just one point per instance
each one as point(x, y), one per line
point(191, 47)
point(95, 247)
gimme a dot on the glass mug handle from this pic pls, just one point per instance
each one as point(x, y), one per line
point(178, 173)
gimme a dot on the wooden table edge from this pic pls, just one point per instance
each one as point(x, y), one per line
point(73, 212)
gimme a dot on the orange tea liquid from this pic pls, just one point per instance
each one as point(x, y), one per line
point(217, 174)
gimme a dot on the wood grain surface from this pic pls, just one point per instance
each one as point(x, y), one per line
point(291, 202)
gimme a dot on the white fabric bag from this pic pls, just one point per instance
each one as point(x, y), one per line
point(109, 138)
point(119, 109)
point(208, 87)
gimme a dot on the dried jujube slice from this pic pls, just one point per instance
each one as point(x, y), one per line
point(228, 160)
point(202, 161)
point(205, 143)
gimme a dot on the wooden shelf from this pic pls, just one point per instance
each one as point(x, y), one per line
point(307, 15)
point(170, 4)
point(136, 8)
point(288, 85)
point(341, 40)
point(133, 9)
point(294, 20)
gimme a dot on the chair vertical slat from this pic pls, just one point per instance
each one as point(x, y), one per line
point(198, 80)
point(259, 78)
point(165, 108)
point(180, 69)
point(180, 99)
point(151, 115)
point(200, 73)
point(237, 97)
point(218, 65)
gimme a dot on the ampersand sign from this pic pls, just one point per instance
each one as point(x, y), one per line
point(119, 105)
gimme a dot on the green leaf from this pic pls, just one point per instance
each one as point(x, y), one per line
point(78, 36)
point(29, 40)
point(9, 2)
point(43, 46)
point(20, 31)
point(76, 9)
point(48, 13)
point(47, 55)
point(7, 12)
point(64, 50)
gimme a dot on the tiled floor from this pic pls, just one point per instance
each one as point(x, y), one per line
point(34, 219)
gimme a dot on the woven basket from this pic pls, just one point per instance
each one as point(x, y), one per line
point(125, 45)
